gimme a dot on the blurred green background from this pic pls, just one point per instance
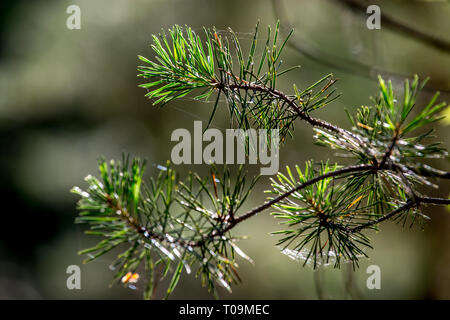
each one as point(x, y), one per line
point(70, 96)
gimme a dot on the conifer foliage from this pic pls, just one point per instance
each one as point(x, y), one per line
point(169, 225)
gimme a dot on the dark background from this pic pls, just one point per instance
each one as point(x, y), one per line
point(70, 96)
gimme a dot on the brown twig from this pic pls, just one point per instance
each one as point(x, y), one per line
point(401, 27)
point(314, 53)
point(408, 205)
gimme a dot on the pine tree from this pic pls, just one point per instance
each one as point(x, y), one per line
point(170, 225)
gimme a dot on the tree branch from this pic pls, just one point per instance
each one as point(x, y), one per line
point(314, 53)
point(391, 147)
point(145, 232)
point(282, 96)
point(427, 171)
point(266, 205)
point(408, 205)
point(400, 27)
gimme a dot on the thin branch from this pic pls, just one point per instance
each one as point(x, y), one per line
point(388, 153)
point(427, 171)
point(282, 96)
point(408, 205)
point(145, 232)
point(350, 169)
point(400, 27)
point(431, 200)
point(314, 53)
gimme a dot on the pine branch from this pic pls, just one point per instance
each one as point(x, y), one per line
point(162, 223)
point(280, 95)
point(172, 225)
point(408, 205)
point(268, 204)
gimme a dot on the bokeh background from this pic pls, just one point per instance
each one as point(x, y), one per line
point(70, 96)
